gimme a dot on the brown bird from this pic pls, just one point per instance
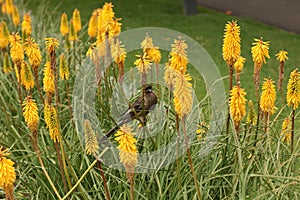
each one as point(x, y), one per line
point(138, 110)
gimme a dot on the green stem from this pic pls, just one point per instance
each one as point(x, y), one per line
point(293, 130)
point(36, 147)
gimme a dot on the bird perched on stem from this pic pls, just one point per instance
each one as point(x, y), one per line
point(138, 110)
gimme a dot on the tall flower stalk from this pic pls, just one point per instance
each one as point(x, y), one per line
point(282, 57)
point(260, 51)
point(231, 51)
point(293, 99)
point(183, 97)
point(128, 153)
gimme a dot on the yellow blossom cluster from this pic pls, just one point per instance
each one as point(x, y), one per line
point(282, 56)
point(150, 50)
point(293, 90)
point(260, 51)
point(127, 148)
point(16, 49)
point(30, 113)
point(268, 97)
point(231, 43)
point(142, 64)
point(237, 104)
point(51, 119)
point(91, 143)
point(26, 25)
point(33, 53)
point(7, 171)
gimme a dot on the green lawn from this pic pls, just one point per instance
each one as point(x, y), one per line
point(206, 28)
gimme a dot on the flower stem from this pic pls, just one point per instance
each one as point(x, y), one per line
point(84, 174)
point(104, 180)
point(61, 167)
point(190, 159)
point(293, 130)
point(230, 88)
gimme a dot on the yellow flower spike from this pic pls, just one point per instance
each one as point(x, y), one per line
point(26, 76)
point(16, 49)
point(178, 60)
point(64, 71)
point(237, 104)
point(76, 20)
point(9, 6)
point(72, 34)
point(7, 67)
point(118, 52)
point(92, 28)
point(260, 51)
point(142, 64)
point(106, 18)
point(183, 99)
point(26, 25)
point(147, 43)
point(239, 64)
point(64, 27)
point(282, 56)
point(127, 148)
point(251, 117)
point(150, 50)
point(231, 43)
point(51, 44)
point(7, 171)
point(91, 143)
point(33, 53)
point(268, 97)
point(293, 90)
point(48, 81)
point(30, 113)
point(286, 130)
point(16, 16)
point(4, 35)
point(108, 12)
point(51, 119)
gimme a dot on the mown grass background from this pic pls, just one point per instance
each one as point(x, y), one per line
point(233, 170)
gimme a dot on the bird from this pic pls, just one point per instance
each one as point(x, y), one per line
point(138, 110)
